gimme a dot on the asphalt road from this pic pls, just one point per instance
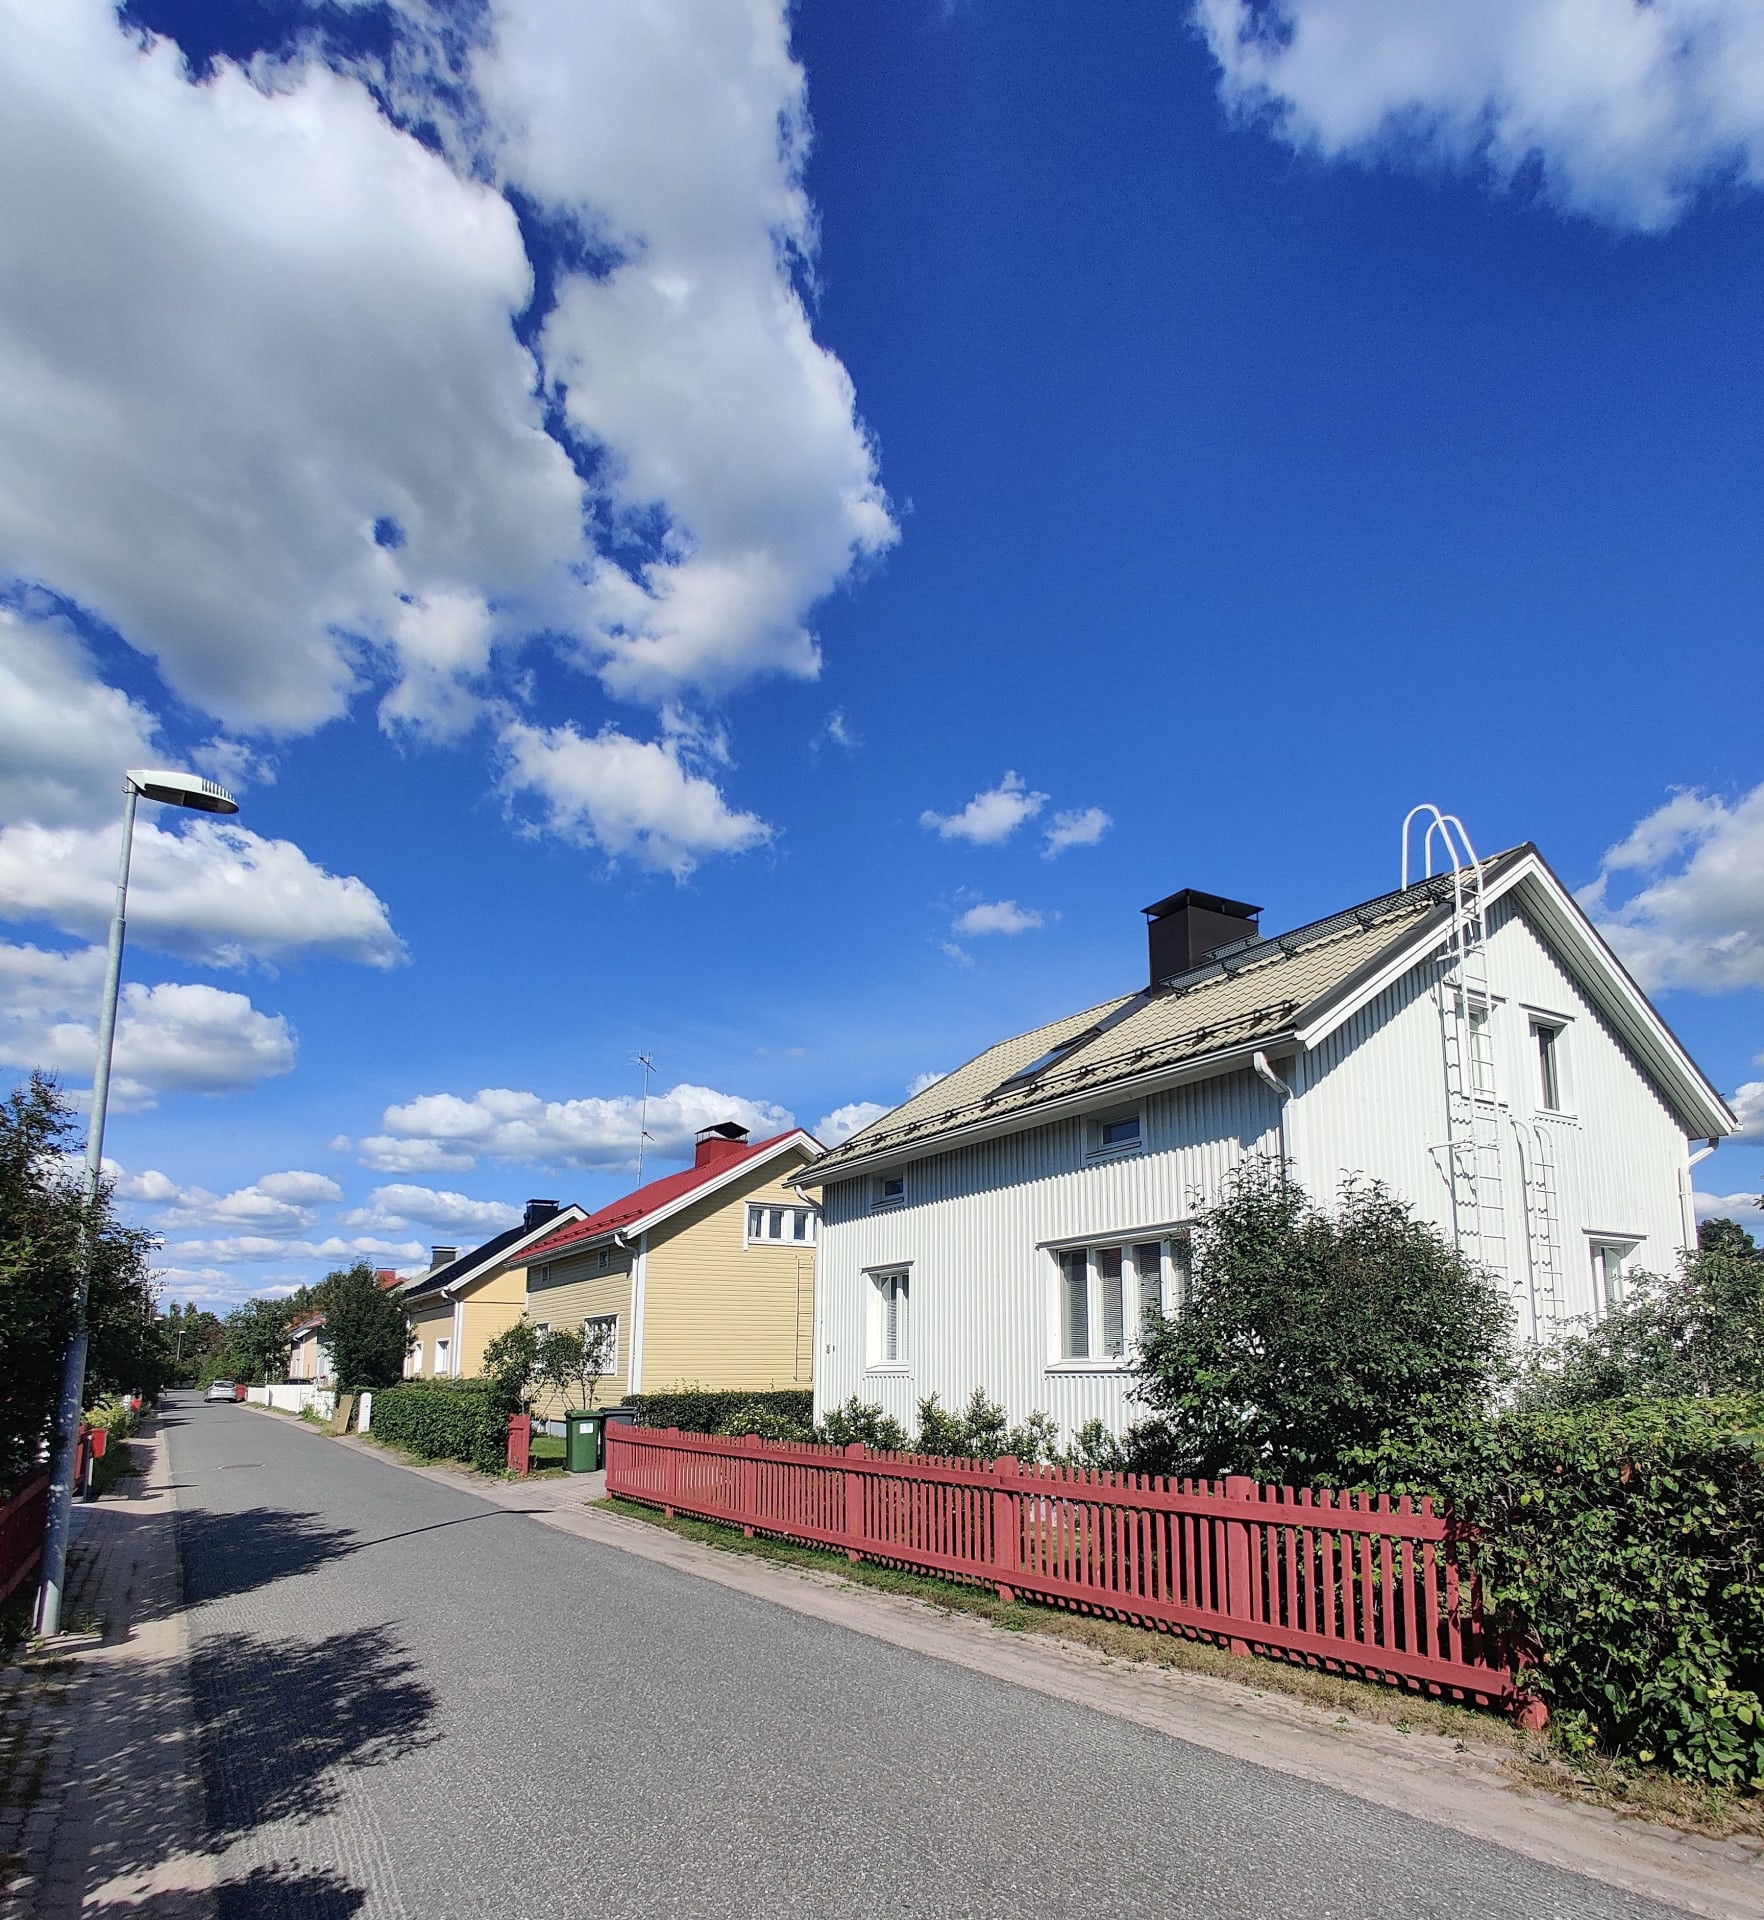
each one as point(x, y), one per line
point(414, 1703)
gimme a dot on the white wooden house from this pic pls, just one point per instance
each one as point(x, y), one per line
point(1470, 1040)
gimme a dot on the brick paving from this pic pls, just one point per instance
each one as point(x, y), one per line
point(100, 1811)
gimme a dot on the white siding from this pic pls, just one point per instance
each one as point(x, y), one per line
point(983, 1285)
point(1369, 1099)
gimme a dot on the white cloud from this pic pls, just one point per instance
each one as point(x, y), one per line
point(1697, 918)
point(960, 955)
point(305, 1189)
point(257, 1246)
point(832, 1129)
point(1626, 109)
point(1743, 1207)
point(677, 132)
point(65, 738)
point(168, 1038)
point(989, 817)
point(1081, 827)
point(393, 1208)
point(997, 916)
point(214, 892)
point(239, 325)
point(262, 408)
point(627, 797)
point(1747, 1103)
point(920, 1081)
point(441, 1131)
point(281, 1204)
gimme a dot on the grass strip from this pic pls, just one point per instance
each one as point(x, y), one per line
point(1634, 1791)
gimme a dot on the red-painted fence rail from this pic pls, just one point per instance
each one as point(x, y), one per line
point(22, 1521)
point(1358, 1582)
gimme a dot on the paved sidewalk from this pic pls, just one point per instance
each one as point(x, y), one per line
point(100, 1803)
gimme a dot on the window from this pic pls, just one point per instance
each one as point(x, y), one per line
point(543, 1328)
point(604, 1326)
point(888, 1319)
point(414, 1366)
point(1114, 1133)
point(889, 1190)
point(441, 1355)
point(1610, 1263)
point(603, 1259)
point(1106, 1294)
point(1546, 1041)
point(780, 1223)
point(1482, 1074)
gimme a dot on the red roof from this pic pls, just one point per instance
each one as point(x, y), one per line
point(651, 1198)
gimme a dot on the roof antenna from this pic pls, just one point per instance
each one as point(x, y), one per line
point(648, 1065)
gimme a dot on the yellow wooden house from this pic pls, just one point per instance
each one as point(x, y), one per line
point(465, 1300)
point(706, 1277)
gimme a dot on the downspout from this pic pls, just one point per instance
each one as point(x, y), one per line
point(1282, 1092)
point(634, 1365)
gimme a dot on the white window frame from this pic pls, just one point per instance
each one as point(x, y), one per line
point(1538, 1022)
point(1110, 1294)
point(1599, 1246)
point(443, 1357)
point(790, 1215)
point(414, 1368)
point(612, 1353)
point(887, 1191)
point(1096, 1147)
point(898, 1280)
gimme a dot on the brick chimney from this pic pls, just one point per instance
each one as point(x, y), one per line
point(718, 1143)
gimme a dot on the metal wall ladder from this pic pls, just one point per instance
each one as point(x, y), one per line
point(1471, 1155)
point(1543, 1227)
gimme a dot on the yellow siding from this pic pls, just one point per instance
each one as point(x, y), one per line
point(576, 1290)
point(429, 1319)
point(491, 1306)
point(720, 1313)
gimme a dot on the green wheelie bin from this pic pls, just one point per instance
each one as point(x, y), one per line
point(582, 1440)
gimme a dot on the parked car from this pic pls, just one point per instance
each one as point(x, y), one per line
point(220, 1390)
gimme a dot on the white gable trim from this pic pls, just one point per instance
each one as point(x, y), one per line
point(1596, 969)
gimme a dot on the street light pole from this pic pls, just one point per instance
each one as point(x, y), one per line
point(176, 789)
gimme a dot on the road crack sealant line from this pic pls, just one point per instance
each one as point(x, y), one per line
point(1418, 1774)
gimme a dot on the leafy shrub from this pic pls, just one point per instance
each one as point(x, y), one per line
point(1317, 1348)
point(857, 1423)
point(365, 1329)
point(1624, 1543)
point(756, 1417)
point(704, 1409)
point(980, 1432)
point(1701, 1331)
point(464, 1420)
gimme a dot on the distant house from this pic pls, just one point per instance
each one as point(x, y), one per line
point(309, 1359)
point(1470, 1040)
point(465, 1300)
point(705, 1277)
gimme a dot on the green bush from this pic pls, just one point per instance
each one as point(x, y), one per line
point(858, 1424)
point(756, 1417)
point(1623, 1545)
point(462, 1420)
point(980, 1432)
point(704, 1409)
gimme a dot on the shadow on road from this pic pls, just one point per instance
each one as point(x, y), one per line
point(283, 1893)
point(278, 1720)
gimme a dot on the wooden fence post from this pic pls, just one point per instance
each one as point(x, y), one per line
point(1006, 1527)
point(520, 1442)
point(749, 1482)
point(671, 1473)
point(854, 1505)
point(1238, 1604)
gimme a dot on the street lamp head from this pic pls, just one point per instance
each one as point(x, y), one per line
point(182, 790)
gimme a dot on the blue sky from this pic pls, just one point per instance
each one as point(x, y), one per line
point(766, 539)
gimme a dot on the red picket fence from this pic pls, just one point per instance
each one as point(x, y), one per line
point(22, 1521)
point(1350, 1581)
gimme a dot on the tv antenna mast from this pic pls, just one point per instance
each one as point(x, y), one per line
point(643, 1134)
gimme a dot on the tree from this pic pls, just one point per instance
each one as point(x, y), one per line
point(1317, 1348)
point(41, 1214)
point(573, 1364)
point(1693, 1334)
point(365, 1329)
point(511, 1364)
point(254, 1344)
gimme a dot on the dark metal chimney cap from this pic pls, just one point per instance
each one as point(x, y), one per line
point(539, 1211)
point(1208, 902)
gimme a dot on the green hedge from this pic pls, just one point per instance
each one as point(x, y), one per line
point(462, 1420)
point(700, 1410)
point(1623, 1543)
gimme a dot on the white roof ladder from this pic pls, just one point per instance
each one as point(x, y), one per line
point(1472, 1155)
